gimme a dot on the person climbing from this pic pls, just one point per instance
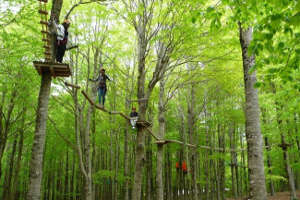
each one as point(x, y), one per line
point(61, 39)
point(133, 117)
point(101, 85)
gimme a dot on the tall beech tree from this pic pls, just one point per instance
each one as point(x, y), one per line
point(36, 163)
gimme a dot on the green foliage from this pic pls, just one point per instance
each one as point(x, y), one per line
point(105, 177)
point(208, 56)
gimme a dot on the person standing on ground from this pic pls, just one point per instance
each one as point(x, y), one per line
point(102, 88)
point(133, 117)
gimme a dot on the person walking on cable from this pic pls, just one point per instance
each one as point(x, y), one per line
point(133, 117)
point(101, 85)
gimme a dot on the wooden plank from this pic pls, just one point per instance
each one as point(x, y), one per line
point(72, 85)
point(52, 71)
point(43, 12)
point(46, 40)
point(102, 108)
point(63, 66)
point(61, 69)
point(45, 32)
point(44, 22)
point(62, 75)
point(143, 123)
point(153, 135)
point(46, 47)
point(45, 1)
point(62, 72)
point(48, 66)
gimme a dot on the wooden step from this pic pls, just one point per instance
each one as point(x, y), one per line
point(46, 47)
point(47, 53)
point(46, 40)
point(43, 12)
point(44, 23)
point(45, 1)
point(45, 32)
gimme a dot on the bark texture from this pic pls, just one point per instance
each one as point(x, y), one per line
point(160, 148)
point(36, 162)
point(253, 133)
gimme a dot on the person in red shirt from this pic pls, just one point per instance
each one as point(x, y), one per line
point(184, 167)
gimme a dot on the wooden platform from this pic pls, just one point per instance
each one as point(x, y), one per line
point(143, 123)
point(56, 69)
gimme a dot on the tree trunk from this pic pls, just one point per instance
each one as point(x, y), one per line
point(193, 140)
point(245, 176)
point(253, 133)
point(36, 163)
point(16, 184)
point(284, 147)
point(10, 167)
point(233, 162)
point(88, 194)
point(149, 173)
point(269, 165)
point(66, 184)
point(221, 136)
point(126, 157)
point(160, 148)
point(140, 141)
point(5, 129)
point(298, 148)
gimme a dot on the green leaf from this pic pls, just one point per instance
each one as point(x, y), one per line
point(272, 70)
point(295, 20)
point(257, 85)
point(281, 45)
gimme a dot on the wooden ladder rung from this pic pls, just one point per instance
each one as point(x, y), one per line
point(44, 22)
point(46, 40)
point(45, 32)
point(45, 1)
point(47, 53)
point(43, 12)
point(46, 47)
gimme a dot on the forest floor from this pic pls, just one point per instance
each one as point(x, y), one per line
point(280, 196)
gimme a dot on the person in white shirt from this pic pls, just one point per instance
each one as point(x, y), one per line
point(133, 117)
point(62, 39)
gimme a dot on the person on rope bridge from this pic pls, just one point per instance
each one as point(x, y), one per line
point(62, 39)
point(101, 85)
point(133, 117)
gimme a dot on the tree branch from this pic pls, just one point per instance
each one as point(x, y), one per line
point(78, 4)
point(61, 135)
point(72, 47)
